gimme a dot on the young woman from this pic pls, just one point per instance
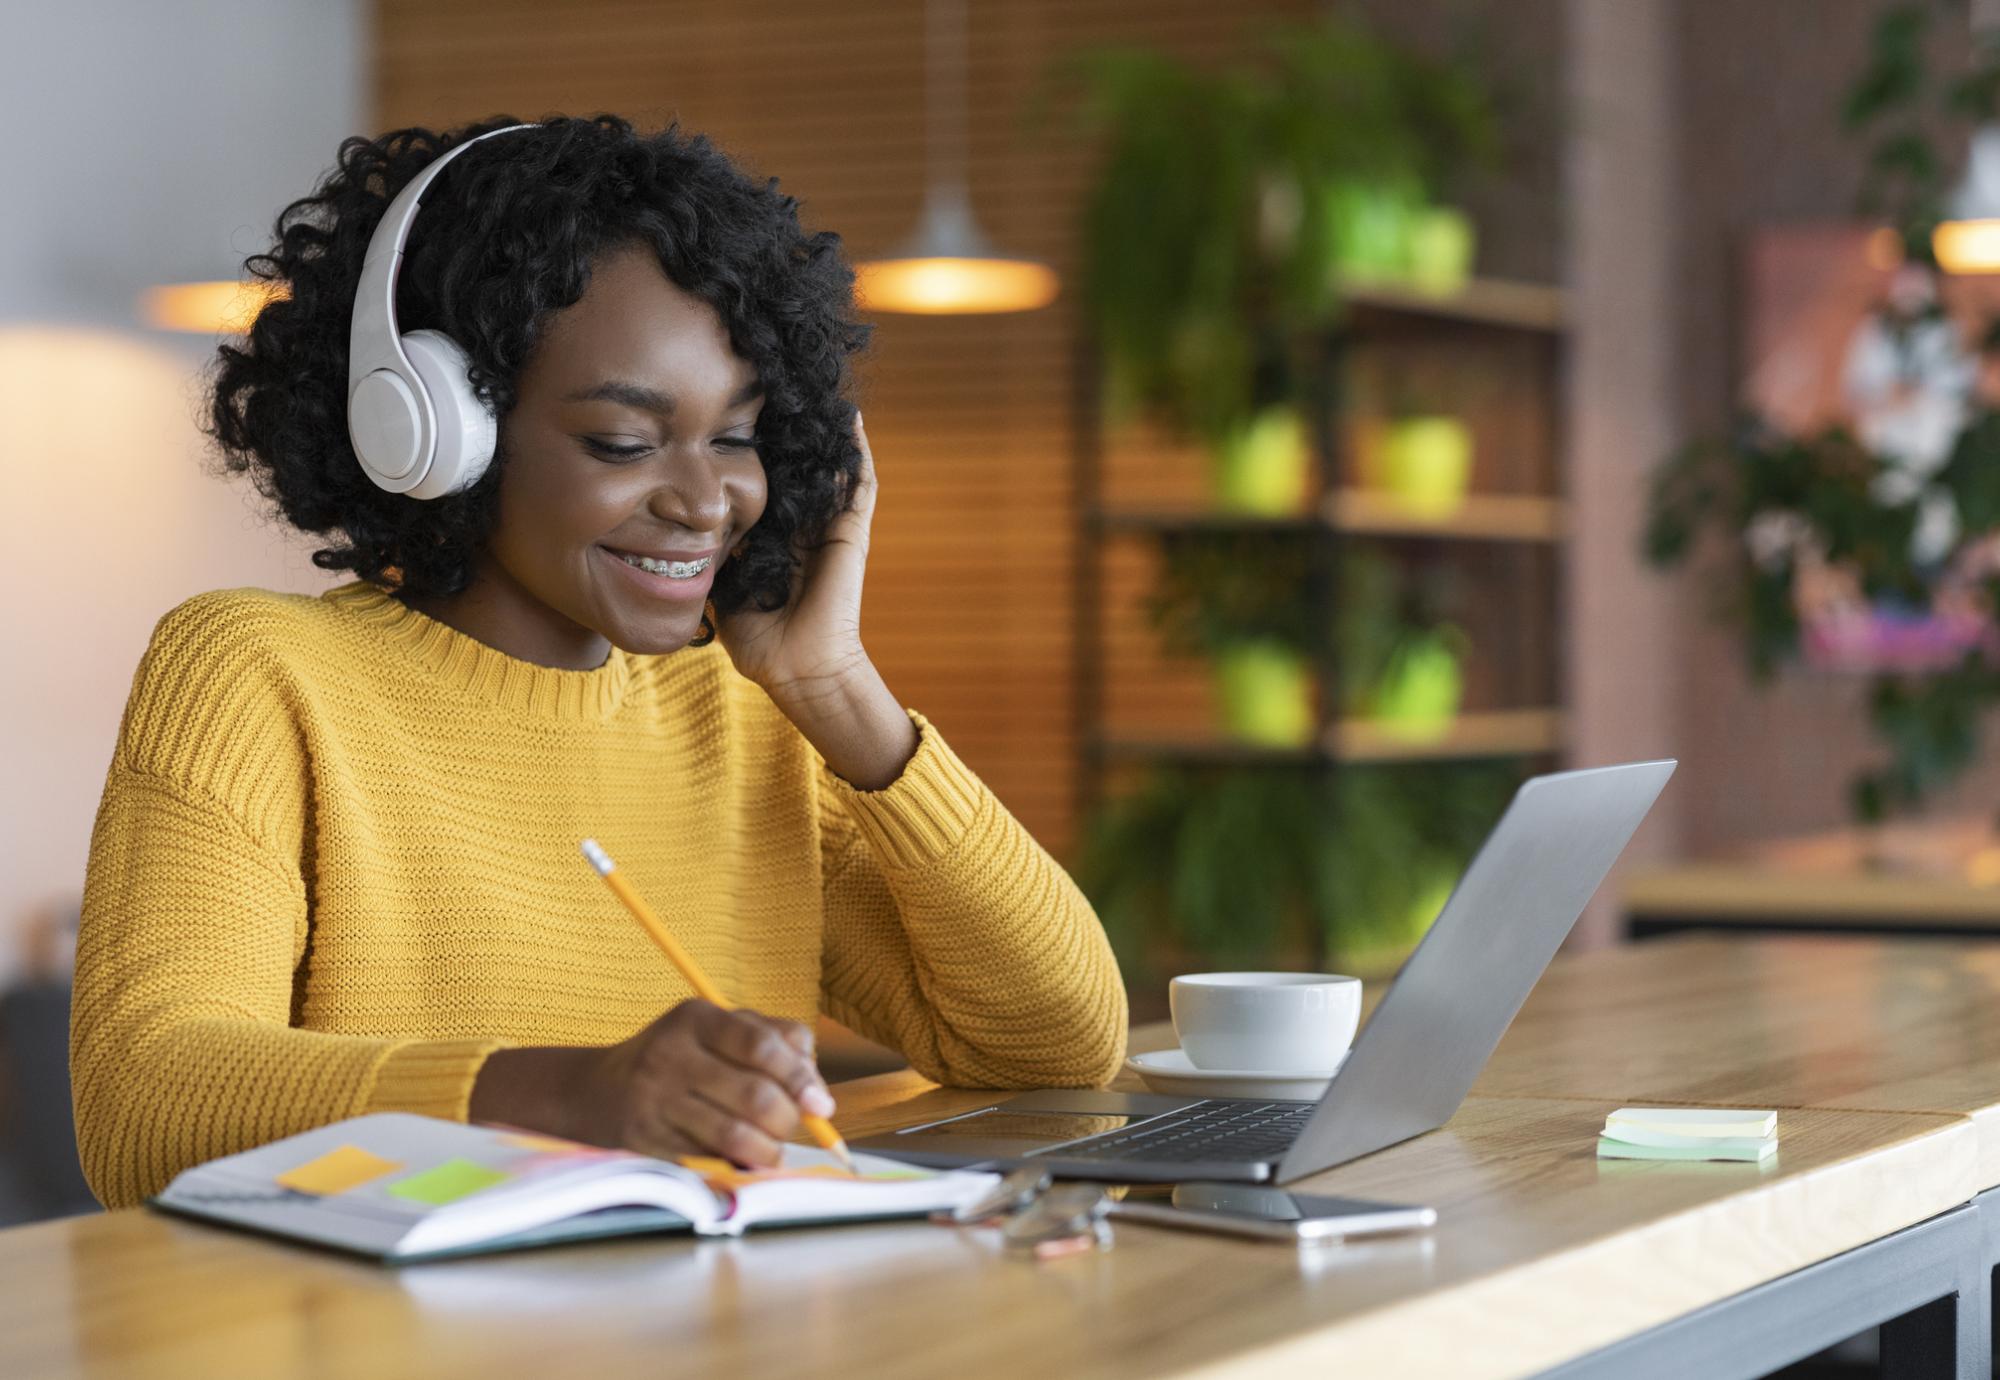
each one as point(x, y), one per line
point(335, 869)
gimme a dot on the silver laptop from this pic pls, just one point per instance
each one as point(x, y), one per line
point(1414, 1060)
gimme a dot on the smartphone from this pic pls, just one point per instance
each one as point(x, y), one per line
point(1245, 1210)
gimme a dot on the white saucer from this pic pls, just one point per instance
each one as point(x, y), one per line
point(1170, 1071)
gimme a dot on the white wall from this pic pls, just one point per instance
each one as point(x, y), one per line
point(148, 141)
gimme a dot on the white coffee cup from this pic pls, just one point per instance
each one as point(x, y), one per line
point(1265, 1022)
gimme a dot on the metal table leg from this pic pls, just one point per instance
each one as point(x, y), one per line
point(1927, 1286)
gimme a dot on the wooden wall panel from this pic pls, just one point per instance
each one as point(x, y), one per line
point(971, 572)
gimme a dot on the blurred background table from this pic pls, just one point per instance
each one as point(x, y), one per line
point(1926, 879)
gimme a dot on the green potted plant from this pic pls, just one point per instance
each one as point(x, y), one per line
point(1369, 226)
point(1443, 243)
point(1387, 232)
point(1401, 657)
point(1420, 456)
point(1245, 602)
point(1286, 864)
point(1266, 466)
point(1219, 211)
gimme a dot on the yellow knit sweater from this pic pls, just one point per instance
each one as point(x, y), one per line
point(335, 865)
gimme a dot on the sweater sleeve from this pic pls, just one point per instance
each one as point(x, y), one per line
point(953, 936)
point(195, 918)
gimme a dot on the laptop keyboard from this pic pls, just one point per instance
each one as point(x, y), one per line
point(1233, 1130)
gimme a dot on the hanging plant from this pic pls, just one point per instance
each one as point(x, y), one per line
point(1216, 217)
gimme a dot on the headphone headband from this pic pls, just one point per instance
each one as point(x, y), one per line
point(392, 417)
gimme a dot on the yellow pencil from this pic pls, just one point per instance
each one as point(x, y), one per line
point(820, 1128)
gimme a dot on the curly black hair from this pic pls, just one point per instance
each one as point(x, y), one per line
point(508, 236)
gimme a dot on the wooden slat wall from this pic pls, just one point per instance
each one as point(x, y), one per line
point(972, 568)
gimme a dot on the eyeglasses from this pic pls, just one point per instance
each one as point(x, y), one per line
point(1035, 1214)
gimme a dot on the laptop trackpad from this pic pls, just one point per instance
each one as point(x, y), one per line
point(1022, 1125)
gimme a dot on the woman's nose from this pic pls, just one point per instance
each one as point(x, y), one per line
point(691, 494)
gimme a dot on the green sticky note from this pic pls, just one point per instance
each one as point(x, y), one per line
point(1747, 1150)
point(448, 1182)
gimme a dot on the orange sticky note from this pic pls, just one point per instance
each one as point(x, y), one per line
point(337, 1171)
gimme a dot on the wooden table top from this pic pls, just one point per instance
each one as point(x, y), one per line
point(1771, 1021)
point(1541, 1253)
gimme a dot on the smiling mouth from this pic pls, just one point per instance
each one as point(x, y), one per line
point(673, 570)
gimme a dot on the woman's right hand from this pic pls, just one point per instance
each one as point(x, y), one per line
point(702, 1080)
point(699, 1080)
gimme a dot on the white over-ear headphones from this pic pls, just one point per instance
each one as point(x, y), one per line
point(417, 426)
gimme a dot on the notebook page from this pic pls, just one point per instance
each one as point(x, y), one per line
point(811, 1185)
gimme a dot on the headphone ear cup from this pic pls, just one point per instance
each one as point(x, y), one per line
point(466, 431)
point(384, 424)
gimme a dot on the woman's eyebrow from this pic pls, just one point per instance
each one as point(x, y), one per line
point(652, 399)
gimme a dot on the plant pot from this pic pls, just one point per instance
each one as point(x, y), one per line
point(1425, 464)
point(1440, 249)
point(1266, 694)
point(1267, 467)
point(1420, 691)
point(1369, 225)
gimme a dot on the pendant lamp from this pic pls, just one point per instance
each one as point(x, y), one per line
point(947, 266)
point(1968, 241)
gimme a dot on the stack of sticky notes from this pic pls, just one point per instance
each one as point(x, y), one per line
point(1687, 1133)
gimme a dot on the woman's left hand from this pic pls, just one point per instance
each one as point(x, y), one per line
point(811, 647)
point(808, 657)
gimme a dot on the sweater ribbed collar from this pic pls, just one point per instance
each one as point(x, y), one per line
point(463, 661)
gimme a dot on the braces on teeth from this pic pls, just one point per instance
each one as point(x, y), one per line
point(673, 570)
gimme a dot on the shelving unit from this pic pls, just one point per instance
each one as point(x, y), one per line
point(1507, 733)
point(1482, 517)
point(1496, 344)
point(1485, 301)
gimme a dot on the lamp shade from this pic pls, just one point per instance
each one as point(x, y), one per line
point(1969, 242)
point(948, 267)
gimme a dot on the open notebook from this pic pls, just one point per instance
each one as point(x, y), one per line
point(399, 1187)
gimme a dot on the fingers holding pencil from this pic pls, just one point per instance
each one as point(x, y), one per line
point(772, 1048)
point(798, 1075)
point(755, 1076)
point(705, 1080)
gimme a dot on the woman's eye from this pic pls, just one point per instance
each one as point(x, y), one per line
point(627, 453)
point(606, 448)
